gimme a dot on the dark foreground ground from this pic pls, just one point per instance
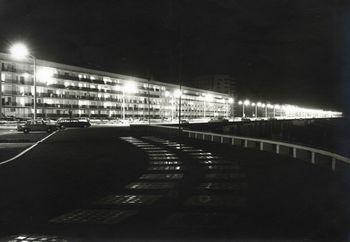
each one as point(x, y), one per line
point(90, 185)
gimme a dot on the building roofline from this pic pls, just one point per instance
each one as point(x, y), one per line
point(7, 57)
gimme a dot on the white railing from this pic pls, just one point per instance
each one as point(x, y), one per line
point(315, 155)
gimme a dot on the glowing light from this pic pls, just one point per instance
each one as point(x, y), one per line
point(240, 102)
point(130, 87)
point(259, 104)
point(231, 100)
point(167, 93)
point(277, 106)
point(253, 104)
point(246, 102)
point(45, 74)
point(209, 97)
point(177, 93)
point(19, 51)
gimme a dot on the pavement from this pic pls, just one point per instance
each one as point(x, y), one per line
point(108, 184)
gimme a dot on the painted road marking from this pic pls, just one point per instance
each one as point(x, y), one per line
point(26, 150)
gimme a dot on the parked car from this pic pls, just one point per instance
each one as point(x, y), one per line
point(73, 123)
point(36, 125)
point(218, 120)
point(246, 120)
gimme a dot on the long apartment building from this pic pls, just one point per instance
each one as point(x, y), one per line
point(64, 90)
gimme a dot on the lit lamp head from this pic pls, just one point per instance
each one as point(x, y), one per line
point(177, 93)
point(259, 104)
point(45, 74)
point(240, 102)
point(130, 87)
point(263, 105)
point(19, 51)
point(208, 97)
point(231, 100)
point(253, 104)
point(246, 102)
point(277, 106)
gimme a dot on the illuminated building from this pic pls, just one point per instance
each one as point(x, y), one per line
point(64, 89)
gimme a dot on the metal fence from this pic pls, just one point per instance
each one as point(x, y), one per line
point(313, 155)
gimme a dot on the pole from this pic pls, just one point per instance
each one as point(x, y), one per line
point(123, 105)
point(256, 111)
point(0, 89)
point(34, 87)
point(233, 111)
point(180, 110)
point(266, 111)
point(149, 104)
point(204, 107)
point(243, 115)
point(172, 108)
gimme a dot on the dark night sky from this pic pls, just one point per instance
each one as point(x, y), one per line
point(294, 51)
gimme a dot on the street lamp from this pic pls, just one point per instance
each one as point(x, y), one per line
point(276, 106)
point(263, 105)
point(129, 88)
point(259, 104)
point(178, 94)
point(256, 109)
point(207, 98)
point(19, 51)
point(231, 101)
point(245, 103)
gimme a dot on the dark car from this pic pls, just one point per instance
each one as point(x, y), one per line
point(36, 125)
point(73, 123)
point(218, 120)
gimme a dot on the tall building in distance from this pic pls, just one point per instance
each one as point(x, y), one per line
point(222, 83)
point(64, 90)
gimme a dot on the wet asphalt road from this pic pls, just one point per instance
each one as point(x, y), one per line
point(107, 184)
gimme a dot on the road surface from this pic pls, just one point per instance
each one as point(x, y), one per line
point(103, 184)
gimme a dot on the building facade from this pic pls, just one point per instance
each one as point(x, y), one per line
point(64, 90)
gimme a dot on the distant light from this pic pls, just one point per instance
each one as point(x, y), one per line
point(240, 102)
point(177, 93)
point(167, 93)
point(246, 102)
point(263, 105)
point(231, 100)
point(253, 104)
point(259, 104)
point(19, 51)
point(209, 97)
point(45, 74)
point(130, 87)
point(277, 106)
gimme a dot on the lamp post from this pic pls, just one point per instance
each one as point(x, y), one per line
point(259, 105)
point(231, 102)
point(276, 106)
point(19, 51)
point(207, 98)
point(241, 103)
point(0, 89)
point(129, 87)
point(255, 106)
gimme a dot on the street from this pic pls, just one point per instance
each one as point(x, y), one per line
point(114, 183)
